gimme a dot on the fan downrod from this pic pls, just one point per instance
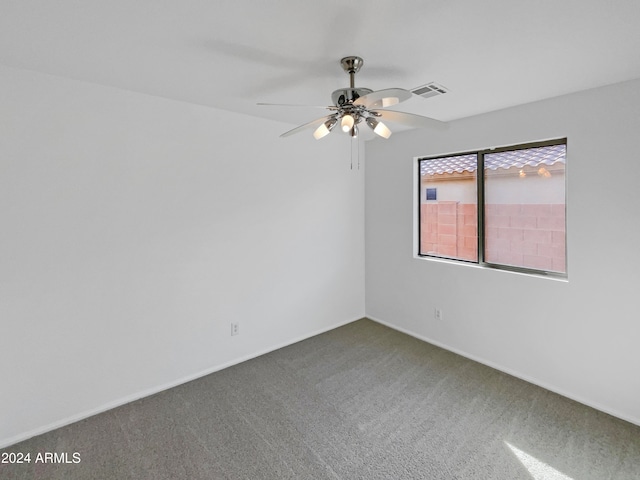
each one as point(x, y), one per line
point(352, 65)
point(345, 96)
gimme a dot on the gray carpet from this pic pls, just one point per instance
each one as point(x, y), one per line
point(359, 402)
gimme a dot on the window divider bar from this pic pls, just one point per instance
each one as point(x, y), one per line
point(480, 208)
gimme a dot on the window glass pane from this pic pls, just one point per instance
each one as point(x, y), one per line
point(524, 213)
point(448, 207)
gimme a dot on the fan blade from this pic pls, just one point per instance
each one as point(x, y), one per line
point(384, 98)
point(409, 119)
point(314, 123)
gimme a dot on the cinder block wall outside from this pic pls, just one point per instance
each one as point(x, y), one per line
point(527, 235)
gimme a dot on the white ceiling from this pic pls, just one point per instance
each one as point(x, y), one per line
point(231, 54)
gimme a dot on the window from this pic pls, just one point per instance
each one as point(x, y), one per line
point(503, 208)
point(449, 222)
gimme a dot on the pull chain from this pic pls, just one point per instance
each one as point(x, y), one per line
point(351, 152)
point(357, 147)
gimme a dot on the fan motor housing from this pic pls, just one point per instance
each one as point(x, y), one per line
point(344, 96)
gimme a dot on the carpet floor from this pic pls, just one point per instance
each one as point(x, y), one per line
point(359, 402)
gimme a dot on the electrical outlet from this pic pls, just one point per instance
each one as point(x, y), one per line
point(437, 314)
point(235, 328)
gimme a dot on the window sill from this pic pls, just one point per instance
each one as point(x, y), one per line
point(465, 264)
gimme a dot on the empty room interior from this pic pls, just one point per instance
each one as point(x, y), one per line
point(341, 240)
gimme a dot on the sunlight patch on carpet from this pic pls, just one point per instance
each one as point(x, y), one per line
point(538, 469)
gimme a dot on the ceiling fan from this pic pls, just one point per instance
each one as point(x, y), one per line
point(353, 106)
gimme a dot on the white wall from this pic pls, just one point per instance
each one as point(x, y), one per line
point(579, 337)
point(135, 229)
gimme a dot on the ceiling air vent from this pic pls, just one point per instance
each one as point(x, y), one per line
point(430, 90)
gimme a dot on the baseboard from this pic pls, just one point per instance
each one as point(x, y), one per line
point(4, 443)
point(526, 378)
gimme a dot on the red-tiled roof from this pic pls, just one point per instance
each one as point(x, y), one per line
point(493, 161)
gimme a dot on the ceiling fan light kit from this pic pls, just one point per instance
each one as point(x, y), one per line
point(352, 106)
point(324, 129)
point(347, 122)
point(378, 127)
